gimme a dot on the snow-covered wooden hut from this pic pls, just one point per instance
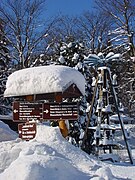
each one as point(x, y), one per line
point(45, 82)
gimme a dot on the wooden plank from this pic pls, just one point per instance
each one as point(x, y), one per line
point(27, 111)
point(56, 111)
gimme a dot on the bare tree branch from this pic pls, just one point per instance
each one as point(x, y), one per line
point(22, 27)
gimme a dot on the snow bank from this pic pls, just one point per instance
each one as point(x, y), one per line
point(43, 79)
point(6, 134)
point(49, 156)
point(5, 117)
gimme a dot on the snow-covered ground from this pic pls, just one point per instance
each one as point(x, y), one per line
point(6, 134)
point(49, 156)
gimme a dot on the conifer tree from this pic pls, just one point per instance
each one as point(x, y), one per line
point(72, 54)
point(4, 68)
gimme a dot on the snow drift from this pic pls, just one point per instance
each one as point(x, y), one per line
point(6, 134)
point(49, 156)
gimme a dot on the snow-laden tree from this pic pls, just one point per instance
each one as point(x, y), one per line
point(24, 29)
point(122, 15)
point(63, 31)
point(126, 79)
point(72, 54)
point(4, 68)
point(4, 51)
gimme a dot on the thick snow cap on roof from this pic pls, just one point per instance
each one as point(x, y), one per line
point(43, 79)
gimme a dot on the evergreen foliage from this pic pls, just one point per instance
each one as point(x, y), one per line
point(4, 70)
point(72, 54)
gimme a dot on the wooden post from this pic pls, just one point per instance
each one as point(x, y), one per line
point(120, 120)
point(63, 128)
point(89, 115)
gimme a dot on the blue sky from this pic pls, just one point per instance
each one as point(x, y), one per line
point(68, 7)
